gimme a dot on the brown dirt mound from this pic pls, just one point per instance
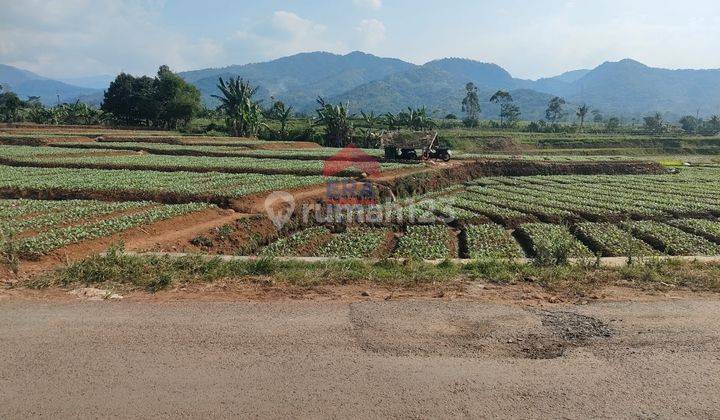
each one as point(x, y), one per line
point(243, 236)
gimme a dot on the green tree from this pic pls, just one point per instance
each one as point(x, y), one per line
point(689, 124)
point(371, 121)
point(164, 101)
point(654, 124)
point(40, 115)
point(10, 106)
point(336, 119)
point(597, 116)
point(179, 101)
point(76, 113)
point(242, 114)
point(281, 113)
point(711, 126)
point(554, 111)
point(416, 119)
point(510, 113)
point(502, 98)
point(471, 105)
point(582, 112)
point(120, 98)
point(391, 121)
point(612, 124)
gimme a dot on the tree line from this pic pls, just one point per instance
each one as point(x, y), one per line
point(166, 101)
point(13, 109)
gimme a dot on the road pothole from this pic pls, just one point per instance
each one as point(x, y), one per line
point(469, 330)
point(561, 330)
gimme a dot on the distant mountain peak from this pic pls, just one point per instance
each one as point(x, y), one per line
point(463, 60)
point(358, 53)
point(626, 62)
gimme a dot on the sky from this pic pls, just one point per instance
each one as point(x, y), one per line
point(530, 39)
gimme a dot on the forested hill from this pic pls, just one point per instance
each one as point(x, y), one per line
point(625, 88)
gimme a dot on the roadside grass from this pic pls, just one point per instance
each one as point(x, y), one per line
point(119, 271)
point(9, 253)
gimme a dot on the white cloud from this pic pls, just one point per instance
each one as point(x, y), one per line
point(372, 32)
point(283, 33)
point(369, 4)
point(296, 25)
point(68, 38)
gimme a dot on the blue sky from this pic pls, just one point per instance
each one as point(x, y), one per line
point(531, 39)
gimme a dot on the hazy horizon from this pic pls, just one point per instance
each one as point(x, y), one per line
point(80, 38)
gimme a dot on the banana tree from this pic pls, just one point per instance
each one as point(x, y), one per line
point(336, 119)
point(242, 114)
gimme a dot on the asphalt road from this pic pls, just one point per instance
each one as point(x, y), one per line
point(362, 359)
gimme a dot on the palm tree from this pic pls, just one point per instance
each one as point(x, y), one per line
point(415, 119)
point(336, 119)
point(282, 114)
point(582, 111)
point(242, 114)
point(371, 121)
point(391, 121)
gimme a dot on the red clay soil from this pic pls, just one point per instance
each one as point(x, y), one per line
point(255, 203)
point(243, 236)
point(315, 193)
point(165, 235)
point(387, 246)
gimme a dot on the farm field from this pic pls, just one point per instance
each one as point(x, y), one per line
point(51, 180)
point(38, 227)
point(167, 187)
point(579, 216)
point(101, 159)
point(220, 150)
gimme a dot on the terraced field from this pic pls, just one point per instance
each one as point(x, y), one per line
point(50, 179)
point(167, 187)
point(218, 150)
point(568, 216)
point(37, 227)
point(101, 159)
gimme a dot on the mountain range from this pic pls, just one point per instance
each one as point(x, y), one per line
point(625, 88)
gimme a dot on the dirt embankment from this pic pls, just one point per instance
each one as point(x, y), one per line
point(420, 182)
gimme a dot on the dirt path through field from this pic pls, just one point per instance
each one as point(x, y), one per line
point(166, 235)
point(368, 359)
